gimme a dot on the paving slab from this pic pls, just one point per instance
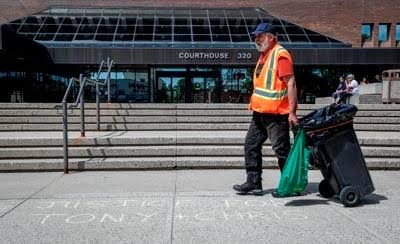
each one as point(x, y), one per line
point(8, 205)
point(25, 185)
point(188, 206)
point(95, 220)
point(111, 184)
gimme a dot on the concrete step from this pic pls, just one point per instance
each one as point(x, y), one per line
point(234, 106)
point(102, 105)
point(92, 112)
point(129, 163)
point(160, 112)
point(103, 119)
point(157, 163)
point(164, 106)
point(166, 119)
point(168, 126)
point(377, 120)
point(161, 151)
point(143, 138)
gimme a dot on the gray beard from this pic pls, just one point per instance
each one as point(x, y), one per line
point(263, 47)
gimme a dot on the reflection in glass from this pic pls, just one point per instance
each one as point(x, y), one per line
point(366, 32)
point(128, 85)
point(236, 85)
point(397, 32)
point(383, 32)
point(204, 89)
point(170, 89)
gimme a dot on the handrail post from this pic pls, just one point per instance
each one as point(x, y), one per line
point(108, 82)
point(65, 131)
point(97, 108)
point(65, 125)
point(82, 103)
point(98, 97)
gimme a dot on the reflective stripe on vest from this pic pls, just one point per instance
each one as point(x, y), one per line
point(270, 76)
point(270, 95)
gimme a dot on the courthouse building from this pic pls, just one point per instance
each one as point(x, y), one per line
point(188, 52)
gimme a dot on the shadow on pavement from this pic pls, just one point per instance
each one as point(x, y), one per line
point(372, 199)
point(307, 202)
point(312, 187)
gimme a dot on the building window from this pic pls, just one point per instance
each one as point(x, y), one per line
point(366, 32)
point(398, 32)
point(383, 32)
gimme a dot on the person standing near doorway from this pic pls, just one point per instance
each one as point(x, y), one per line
point(274, 105)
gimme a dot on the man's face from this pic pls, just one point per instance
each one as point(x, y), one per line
point(260, 38)
point(263, 41)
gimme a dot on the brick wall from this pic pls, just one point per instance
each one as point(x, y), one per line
point(340, 19)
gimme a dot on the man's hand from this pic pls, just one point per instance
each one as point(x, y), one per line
point(293, 119)
point(292, 95)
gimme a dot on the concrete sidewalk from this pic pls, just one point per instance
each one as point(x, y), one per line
point(186, 206)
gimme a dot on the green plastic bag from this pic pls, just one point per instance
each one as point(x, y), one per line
point(294, 176)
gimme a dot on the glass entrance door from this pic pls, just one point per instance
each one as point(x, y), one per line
point(204, 89)
point(190, 86)
point(170, 89)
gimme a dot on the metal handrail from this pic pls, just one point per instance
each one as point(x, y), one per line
point(92, 82)
point(81, 100)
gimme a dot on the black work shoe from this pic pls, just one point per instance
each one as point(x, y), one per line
point(249, 188)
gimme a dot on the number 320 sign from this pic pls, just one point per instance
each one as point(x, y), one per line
point(243, 55)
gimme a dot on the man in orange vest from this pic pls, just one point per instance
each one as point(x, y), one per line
point(274, 105)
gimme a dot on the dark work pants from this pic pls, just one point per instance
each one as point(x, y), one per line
point(264, 126)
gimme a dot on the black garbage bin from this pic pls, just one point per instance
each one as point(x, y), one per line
point(336, 152)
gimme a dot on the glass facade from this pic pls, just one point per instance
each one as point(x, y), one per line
point(126, 85)
point(189, 84)
point(398, 32)
point(21, 86)
point(173, 27)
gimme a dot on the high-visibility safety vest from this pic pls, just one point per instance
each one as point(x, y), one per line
point(270, 94)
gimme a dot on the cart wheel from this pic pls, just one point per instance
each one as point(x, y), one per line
point(325, 189)
point(349, 196)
